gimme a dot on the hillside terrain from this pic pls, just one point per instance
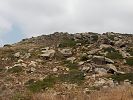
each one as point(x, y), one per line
point(63, 66)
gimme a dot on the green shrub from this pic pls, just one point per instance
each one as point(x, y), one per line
point(122, 77)
point(74, 76)
point(94, 38)
point(71, 65)
point(15, 69)
point(84, 58)
point(114, 55)
point(67, 43)
point(129, 61)
point(37, 86)
point(111, 37)
point(20, 96)
point(130, 51)
point(110, 49)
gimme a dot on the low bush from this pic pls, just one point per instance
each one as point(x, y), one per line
point(71, 65)
point(129, 61)
point(114, 55)
point(122, 77)
point(16, 69)
point(39, 85)
point(67, 43)
point(110, 49)
point(74, 76)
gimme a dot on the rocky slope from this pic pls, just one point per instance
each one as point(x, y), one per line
point(59, 63)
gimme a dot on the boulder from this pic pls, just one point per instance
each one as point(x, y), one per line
point(101, 71)
point(71, 59)
point(102, 46)
point(93, 51)
point(124, 54)
point(48, 53)
point(33, 64)
point(66, 52)
point(111, 67)
point(55, 69)
point(102, 60)
point(17, 54)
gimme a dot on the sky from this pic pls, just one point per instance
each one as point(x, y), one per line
point(26, 18)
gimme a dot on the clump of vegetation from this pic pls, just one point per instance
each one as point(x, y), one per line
point(94, 38)
point(111, 37)
point(71, 65)
point(16, 69)
point(122, 77)
point(84, 58)
point(129, 61)
point(74, 76)
point(130, 51)
point(39, 85)
point(20, 96)
point(67, 43)
point(110, 49)
point(114, 55)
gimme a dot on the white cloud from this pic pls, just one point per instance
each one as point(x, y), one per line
point(36, 17)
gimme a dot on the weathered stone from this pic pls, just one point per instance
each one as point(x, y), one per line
point(71, 59)
point(111, 67)
point(102, 46)
point(17, 54)
point(124, 54)
point(32, 69)
point(55, 69)
point(102, 60)
point(66, 52)
point(93, 51)
point(33, 64)
point(20, 61)
point(101, 71)
point(81, 63)
point(48, 53)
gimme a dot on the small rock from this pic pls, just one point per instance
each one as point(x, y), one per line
point(71, 59)
point(55, 69)
point(101, 71)
point(33, 63)
point(17, 54)
point(66, 52)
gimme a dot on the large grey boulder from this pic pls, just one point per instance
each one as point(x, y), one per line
point(66, 52)
point(101, 71)
point(48, 53)
point(102, 60)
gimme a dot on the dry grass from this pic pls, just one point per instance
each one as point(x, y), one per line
point(119, 93)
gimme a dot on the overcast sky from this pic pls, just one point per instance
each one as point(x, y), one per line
point(25, 18)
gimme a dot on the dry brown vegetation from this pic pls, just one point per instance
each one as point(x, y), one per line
point(118, 93)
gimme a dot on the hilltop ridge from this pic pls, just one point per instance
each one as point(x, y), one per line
point(66, 64)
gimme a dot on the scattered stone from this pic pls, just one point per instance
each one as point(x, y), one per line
point(72, 59)
point(66, 52)
point(112, 67)
point(102, 60)
point(55, 69)
point(47, 53)
point(33, 64)
point(17, 54)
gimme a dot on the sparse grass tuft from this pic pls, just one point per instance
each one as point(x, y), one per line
point(67, 43)
point(74, 76)
point(129, 61)
point(123, 77)
point(16, 69)
point(114, 55)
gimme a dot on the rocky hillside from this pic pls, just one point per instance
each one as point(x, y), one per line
point(63, 64)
